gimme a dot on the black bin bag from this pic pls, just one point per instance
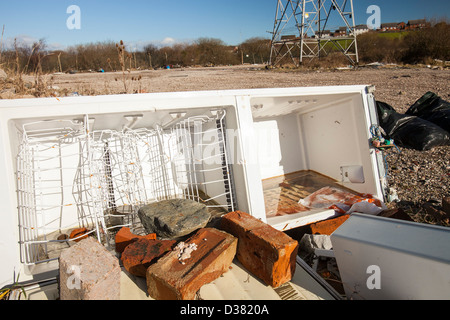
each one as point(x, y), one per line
point(433, 108)
point(410, 131)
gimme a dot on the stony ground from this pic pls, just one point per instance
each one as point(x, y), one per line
point(421, 178)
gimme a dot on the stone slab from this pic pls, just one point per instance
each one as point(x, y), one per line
point(174, 218)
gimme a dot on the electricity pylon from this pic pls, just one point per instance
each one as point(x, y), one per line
point(300, 30)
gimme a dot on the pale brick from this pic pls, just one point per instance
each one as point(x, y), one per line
point(264, 251)
point(89, 272)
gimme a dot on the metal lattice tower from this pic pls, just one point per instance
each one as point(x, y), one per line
point(300, 31)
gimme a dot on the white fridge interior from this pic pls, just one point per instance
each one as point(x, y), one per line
point(86, 161)
point(308, 142)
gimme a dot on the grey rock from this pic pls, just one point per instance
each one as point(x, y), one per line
point(310, 242)
point(171, 219)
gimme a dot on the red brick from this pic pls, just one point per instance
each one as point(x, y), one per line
point(170, 279)
point(124, 237)
point(264, 251)
point(141, 253)
point(327, 227)
point(77, 233)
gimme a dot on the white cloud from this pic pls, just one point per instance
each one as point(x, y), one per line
point(21, 40)
point(24, 40)
point(139, 45)
point(168, 41)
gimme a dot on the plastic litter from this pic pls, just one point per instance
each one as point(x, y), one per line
point(342, 201)
point(432, 108)
point(410, 131)
point(365, 207)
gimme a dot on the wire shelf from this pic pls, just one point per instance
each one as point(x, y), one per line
point(69, 176)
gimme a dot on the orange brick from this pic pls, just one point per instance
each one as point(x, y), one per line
point(143, 252)
point(264, 251)
point(174, 279)
point(327, 227)
point(124, 237)
point(78, 233)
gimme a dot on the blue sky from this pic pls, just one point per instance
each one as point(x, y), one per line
point(138, 22)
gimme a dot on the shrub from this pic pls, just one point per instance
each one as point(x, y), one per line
point(425, 44)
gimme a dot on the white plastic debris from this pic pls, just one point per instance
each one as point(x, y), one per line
point(184, 251)
point(365, 207)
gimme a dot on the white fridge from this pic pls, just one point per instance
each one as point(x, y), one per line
point(79, 161)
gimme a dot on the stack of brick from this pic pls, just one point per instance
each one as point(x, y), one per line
point(89, 272)
point(177, 276)
point(266, 252)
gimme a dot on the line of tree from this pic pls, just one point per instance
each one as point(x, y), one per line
point(107, 57)
point(411, 47)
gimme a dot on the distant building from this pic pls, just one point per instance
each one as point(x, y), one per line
point(392, 26)
point(360, 29)
point(324, 34)
point(417, 24)
point(341, 32)
point(288, 38)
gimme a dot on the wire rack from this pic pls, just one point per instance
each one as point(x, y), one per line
point(69, 176)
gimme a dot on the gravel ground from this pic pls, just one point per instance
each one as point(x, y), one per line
point(421, 178)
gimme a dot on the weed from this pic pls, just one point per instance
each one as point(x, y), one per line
point(6, 292)
point(122, 60)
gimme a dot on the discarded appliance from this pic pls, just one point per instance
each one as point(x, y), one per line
point(73, 162)
point(389, 259)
